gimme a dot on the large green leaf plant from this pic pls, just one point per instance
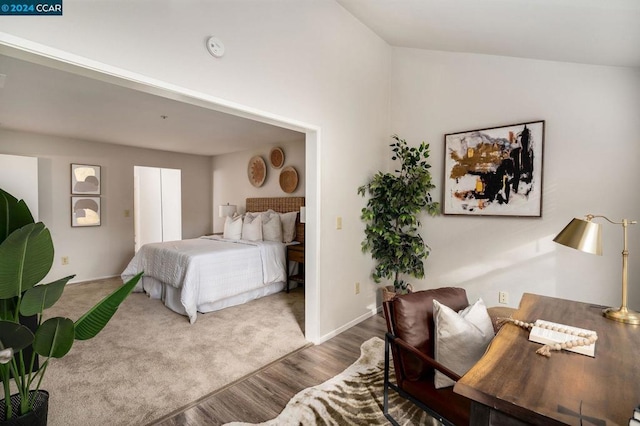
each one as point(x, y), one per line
point(26, 256)
point(391, 215)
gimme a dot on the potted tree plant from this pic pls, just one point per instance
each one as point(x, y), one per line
point(392, 216)
point(26, 256)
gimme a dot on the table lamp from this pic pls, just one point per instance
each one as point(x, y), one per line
point(585, 235)
point(227, 210)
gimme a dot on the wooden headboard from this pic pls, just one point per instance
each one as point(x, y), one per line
point(280, 205)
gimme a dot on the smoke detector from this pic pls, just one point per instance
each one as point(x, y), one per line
point(215, 47)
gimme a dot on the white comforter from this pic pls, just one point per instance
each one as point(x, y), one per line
point(208, 269)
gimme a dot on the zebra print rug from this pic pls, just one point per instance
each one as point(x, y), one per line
point(353, 397)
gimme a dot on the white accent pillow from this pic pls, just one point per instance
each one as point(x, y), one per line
point(460, 338)
point(252, 227)
point(233, 227)
point(271, 226)
point(288, 226)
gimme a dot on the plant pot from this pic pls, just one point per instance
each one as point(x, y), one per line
point(388, 293)
point(36, 417)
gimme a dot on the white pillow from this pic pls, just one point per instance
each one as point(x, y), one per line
point(233, 227)
point(252, 227)
point(288, 226)
point(460, 338)
point(271, 226)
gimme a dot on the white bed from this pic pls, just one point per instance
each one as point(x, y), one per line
point(211, 273)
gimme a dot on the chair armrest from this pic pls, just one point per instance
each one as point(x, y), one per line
point(425, 358)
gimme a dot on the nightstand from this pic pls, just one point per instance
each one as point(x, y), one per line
point(295, 253)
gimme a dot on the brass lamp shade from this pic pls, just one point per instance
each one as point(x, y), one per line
point(582, 235)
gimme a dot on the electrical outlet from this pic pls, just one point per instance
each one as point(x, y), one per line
point(65, 260)
point(339, 222)
point(503, 297)
point(357, 288)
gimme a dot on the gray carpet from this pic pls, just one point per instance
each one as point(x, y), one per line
point(353, 397)
point(149, 361)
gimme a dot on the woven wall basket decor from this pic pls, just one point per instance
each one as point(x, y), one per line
point(276, 157)
point(257, 171)
point(288, 179)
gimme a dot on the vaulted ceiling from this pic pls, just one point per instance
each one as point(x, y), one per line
point(600, 32)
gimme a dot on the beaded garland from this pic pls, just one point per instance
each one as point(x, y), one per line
point(584, 339)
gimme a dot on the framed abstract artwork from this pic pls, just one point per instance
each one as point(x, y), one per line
point(85, 211)
point(495, 171)
point(85, 179)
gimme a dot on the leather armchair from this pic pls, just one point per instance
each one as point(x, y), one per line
point(410, 339)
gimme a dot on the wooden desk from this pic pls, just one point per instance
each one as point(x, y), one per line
point(512, 382)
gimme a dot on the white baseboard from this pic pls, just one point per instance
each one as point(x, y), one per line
point(91, 279)
point(347, 326)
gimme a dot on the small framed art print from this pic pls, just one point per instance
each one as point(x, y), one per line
point(85, 179)
point(85, 211)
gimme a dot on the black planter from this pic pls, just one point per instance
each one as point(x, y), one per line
point(36, 417)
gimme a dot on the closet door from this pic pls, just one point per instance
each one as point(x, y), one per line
point(170, 180)
point(147, 206)
point(157, 205)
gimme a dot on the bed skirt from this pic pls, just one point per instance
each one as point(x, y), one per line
point(170, 296)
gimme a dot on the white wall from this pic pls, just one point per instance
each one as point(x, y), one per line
point(305, 60)
point(104, 250)
point(591, 154)
point(231, 183)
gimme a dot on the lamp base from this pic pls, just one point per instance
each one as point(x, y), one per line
point(622, 315)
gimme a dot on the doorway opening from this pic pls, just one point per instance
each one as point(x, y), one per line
point(75, 65)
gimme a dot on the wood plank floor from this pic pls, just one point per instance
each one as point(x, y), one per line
point(261, 396)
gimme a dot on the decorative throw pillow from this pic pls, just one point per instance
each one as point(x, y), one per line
point(271, 226)
point(252, 227)
point(288, 226)
point(233, 227)
point(460, 338)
